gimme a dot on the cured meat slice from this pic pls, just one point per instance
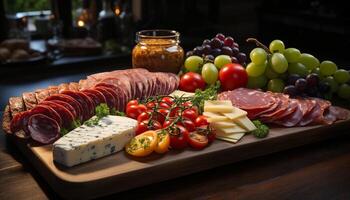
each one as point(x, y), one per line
point(48, 111)
point(43, 129)
point(291, 119)
point(53, 90)
point(41, 94)
point(280, 109)
point(67, 106)
point(73, 86)
point(121, 82)
point(252, 101)
point(108, 96)
point(6, 120)
point(339, 112)
point(119, 94)
point(97, 94)
point(71, 101)
point(29, 100)
point(84, 101)
point(311, 116)
point(115, 95)
point(66, 116)
point(16, 105)
point(324, 105)
point(20, 122)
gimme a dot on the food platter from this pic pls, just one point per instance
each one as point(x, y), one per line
point(119, 172)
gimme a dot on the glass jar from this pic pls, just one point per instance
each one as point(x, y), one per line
point(158, 51)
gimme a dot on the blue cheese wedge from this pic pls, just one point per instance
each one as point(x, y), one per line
point(87, 143)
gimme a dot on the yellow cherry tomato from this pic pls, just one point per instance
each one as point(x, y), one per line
point(163, 141)
point(143, 144)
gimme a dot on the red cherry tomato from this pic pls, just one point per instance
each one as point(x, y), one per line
point(189, 105)
point(174, 112)
point(168, 100)
point(191, 81)
point(178, 137)
point(143, 116)
point(141, 127)
point(233, 76)
point(133, 111)
point(164, 105)
point(132, 102)
point(197, 141)
point(189, 114)
point(150, 105)
point(188, 124)
point(206, 130)
point(161, 114)
point(211, 136)
point(201, 120)
point(167, 123)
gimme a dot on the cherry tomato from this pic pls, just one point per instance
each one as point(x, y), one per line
point(197, 141)
point(174, 112)
point(136, 147)
point(206, 130)
point(178, 137)
point(191, 81)
point(150, 105)
point(164, 105)
point(189, 105)
point(155, 125)
point(168, 100)
point(143, 116)
point(188, 124)
point(141, 127)
point(167, 123)
point(132, 102)
point(161, 114)
point(163, 141)
point(211, 136)
point(133, 111)
point(233, 76)
point(201, 120)
point(189, 114)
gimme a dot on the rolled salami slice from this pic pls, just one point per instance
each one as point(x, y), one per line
point(43, 129)
point(66, 116)
point(48, 111)
point(71, 101)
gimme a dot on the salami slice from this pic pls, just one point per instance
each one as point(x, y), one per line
point(100, 98)
point(66, 116)
point(48, 111)
point(340, 113)
point(67, 106)
point(87, 107)
point(281, 108)
point(311, 116)
point(113, 93)
point(20, 122)
point(71, 101)
point(292, 119)
point(43, 129)
point(108, 96)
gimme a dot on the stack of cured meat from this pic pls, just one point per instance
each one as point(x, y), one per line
point(67, 102)
point(280, 109)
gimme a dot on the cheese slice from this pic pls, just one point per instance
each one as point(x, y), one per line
point(223, 124)
point(217, 103)
point(227, 139)
point(215, 117)
point(225, 131)
point(219, 109)
point(87, 143)
point(235, 136)
point(236, 113)
point(245, 123)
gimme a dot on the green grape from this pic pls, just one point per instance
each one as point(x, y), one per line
point(210, 73)
point(292, 55)
point(328, 68)
point(222, 60)
point(255, 70)
point(279, 63)
point(309, 61)
point(332, 83)
point(270, 73)
point(298, 68)
point(193, 63)
point(344, 91)
point(341, 76)
point(258, 56)
point(276, 46)
point(257, 82)
point(275, 85)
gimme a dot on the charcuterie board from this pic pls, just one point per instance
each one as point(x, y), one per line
point(119, 172)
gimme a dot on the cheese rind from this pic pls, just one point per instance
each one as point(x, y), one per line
point(87, 143)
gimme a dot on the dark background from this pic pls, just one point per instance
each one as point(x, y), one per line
point(319, 27)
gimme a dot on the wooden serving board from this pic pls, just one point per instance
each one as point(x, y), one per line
point(120, 172)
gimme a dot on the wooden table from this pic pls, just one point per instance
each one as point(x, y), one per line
point(316, 171)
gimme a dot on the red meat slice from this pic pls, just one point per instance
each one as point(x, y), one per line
point(48, 111)
point(108, 96)
point(281, 108)
point(67, 106)
point(85, 102)
point(340, 113)
point(252, 101)
point(71, 101)
point(43, 129)
point(293, 118)
point(66, 116)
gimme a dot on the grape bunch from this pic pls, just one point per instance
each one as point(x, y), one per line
point(219, 46)
point(280, 69)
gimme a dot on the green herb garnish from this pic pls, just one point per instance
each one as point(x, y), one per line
point(208, 94)
point(113, 111)
point(261, 130)
point(101, 111)
point(63, 131)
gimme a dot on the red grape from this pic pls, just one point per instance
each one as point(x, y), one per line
point(234, 59)
point(206, 49)
point(228, 41)
point(220, 36)
point(216, 43)
point(241, 57)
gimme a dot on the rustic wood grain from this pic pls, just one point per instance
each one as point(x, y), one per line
point(101, 176)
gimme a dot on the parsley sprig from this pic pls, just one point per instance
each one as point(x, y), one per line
point(101, 111)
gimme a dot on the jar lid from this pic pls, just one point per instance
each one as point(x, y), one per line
point(157, 34)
